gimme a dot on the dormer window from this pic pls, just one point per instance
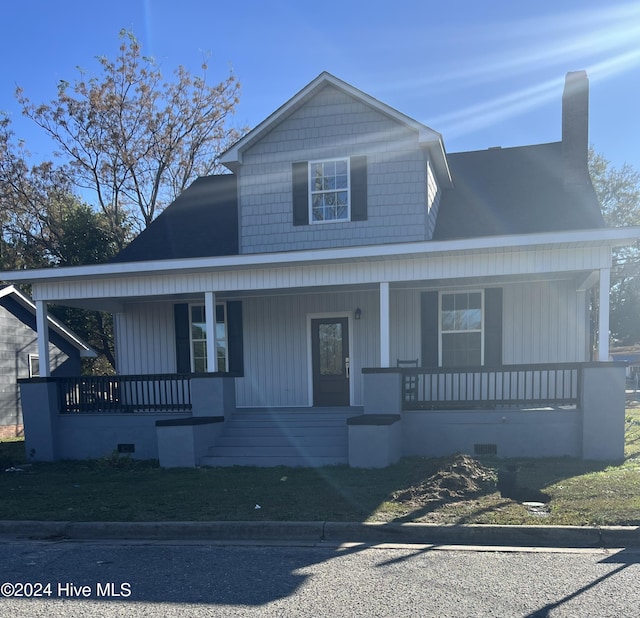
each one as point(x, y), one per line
point(329, 191)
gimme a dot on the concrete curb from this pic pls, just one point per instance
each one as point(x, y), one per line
point(333, 532)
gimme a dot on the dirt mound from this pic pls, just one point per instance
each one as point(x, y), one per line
point(458, 478)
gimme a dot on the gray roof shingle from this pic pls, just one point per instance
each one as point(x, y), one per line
point(201, 222)
point(513, 191)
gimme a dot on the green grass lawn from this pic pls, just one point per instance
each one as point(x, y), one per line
point(120, 489)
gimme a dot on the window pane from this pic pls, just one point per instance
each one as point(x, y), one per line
point(330, 336)
point(448, 320)
point(220, 331)
point(329, 190)
point(198, 331)
point(199, 336)
point(461, 312)
point(317, 177)
point(199, 349)
point(461, 349)
point(448, 302)
point(222, 356)
point(474, 300)
point(197, 313)
point(471, 319)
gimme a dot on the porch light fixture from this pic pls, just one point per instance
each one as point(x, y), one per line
point(358, 313)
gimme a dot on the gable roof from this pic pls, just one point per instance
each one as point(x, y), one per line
point(427, 137)
point(202, 221)
point(11, 293)
point(513, 191)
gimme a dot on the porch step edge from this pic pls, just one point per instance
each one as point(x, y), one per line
point(270, 462)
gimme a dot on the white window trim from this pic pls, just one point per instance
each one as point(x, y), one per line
point(445, 332)
point(31, 359)
point(223, 304)
point(311, 192)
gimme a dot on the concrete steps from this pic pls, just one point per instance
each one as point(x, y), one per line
point(310, 437)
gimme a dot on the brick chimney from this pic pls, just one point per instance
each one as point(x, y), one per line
point(575, 130)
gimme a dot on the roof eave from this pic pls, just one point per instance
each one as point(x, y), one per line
point(232, 158)
point(612, 237)
point(86, 351)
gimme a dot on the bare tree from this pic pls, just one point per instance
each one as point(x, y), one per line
point(133, 139)
point(618, 190)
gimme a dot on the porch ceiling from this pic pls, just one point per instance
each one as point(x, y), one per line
point(115, 305)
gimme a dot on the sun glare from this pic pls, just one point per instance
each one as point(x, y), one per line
point(604, 42)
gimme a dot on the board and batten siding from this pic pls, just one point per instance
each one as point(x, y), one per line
point(276, 345)
point(333, 125)
point(145, 339)
point(455, 265)
point(544, 322)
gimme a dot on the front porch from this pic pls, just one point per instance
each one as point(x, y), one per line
point(197, 340)
point(573, 409)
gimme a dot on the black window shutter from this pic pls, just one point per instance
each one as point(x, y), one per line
point(235, 337)
point(300, 176)
point(429, 324)
point(183, 341)
point(493, 327)
point(359, 188)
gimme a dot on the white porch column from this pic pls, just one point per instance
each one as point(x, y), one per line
point(42, 328)
point(210, 320)
point(603, 315)
point(385, 332)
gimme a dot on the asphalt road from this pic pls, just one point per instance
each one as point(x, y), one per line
point(198, 579)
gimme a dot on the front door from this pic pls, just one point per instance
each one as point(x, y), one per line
point(330, 361)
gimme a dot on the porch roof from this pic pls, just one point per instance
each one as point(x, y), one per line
point(574, 251)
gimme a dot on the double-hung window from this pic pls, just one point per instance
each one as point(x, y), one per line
point(199, 362)
point(329, 184)
point(461, 329)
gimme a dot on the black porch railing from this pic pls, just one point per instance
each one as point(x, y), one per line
point(117, 394)
point(425, 388)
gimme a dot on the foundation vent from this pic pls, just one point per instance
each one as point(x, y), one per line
point(485, 449)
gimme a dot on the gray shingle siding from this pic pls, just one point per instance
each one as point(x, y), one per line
point(18, 340)
point(333, 125)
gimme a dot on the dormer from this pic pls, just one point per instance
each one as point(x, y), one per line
point(335, 167)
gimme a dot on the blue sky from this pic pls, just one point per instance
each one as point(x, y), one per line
point(483, 74)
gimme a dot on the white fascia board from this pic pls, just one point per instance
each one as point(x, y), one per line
point(232, 157)
point(86, 351)
point(612, 237)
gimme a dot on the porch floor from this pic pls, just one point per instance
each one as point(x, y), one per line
point(266, 437)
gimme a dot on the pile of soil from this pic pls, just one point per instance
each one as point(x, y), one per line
point(458, 478)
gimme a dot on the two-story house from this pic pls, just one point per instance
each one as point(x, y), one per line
point(346, 241)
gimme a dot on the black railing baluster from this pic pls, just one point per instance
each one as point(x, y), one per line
point(469, 388)
point(124, 394)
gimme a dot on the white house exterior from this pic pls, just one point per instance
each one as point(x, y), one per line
point(345, 240)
